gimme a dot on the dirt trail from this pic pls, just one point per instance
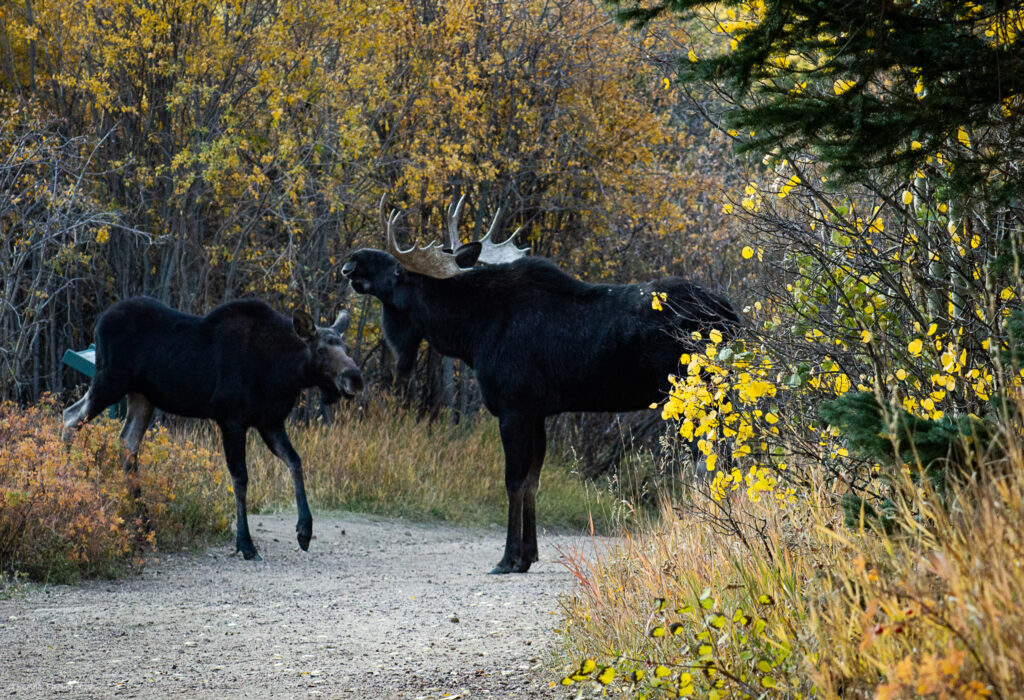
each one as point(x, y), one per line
point(376, 609)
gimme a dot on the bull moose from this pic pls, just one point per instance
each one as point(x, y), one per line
point(539, 341)
point(243, 365)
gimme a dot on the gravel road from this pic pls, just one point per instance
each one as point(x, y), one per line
point(377, 608)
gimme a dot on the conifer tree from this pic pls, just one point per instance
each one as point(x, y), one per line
point(869, 87)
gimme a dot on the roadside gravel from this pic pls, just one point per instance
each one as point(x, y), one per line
point(377, 608)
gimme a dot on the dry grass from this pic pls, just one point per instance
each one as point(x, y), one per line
point(381, 460)
point(65, 511)
point(933, 610)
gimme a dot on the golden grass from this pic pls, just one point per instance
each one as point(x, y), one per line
point(380, 459)
point(65, 510)
point(935, 609)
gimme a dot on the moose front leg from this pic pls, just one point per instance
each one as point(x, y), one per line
point(518, 437)
point(277, 440)
point(234, 452)
point(530, 494)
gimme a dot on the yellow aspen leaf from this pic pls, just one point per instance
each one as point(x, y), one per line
point(842, 86)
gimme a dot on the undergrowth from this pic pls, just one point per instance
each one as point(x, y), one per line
point(65, 510)
point(380, 459)
point(807, 607)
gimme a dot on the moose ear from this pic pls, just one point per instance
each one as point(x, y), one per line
point(467, 255)
point(304, 326)
point(341, 323)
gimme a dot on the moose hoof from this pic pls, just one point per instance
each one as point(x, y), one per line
point(518, 567)
point(249, 554)
point(304, 533)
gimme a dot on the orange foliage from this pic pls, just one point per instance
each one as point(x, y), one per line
point(65, 510)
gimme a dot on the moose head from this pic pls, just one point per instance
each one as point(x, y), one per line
point(330, 368)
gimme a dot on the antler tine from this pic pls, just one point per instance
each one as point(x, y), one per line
point(389, 228)
point(454, 212)
point(494, 223)
point(380, 210)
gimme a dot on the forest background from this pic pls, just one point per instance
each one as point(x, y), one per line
point(858, 534)
point(198, 151)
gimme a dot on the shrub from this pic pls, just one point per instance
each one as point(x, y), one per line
point(65, 510)
point(801, 605)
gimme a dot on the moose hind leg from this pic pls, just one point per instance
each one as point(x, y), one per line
point(103, 391)
point(234, 453)
point(140, 413)
point(277, 440)
point(75, 414)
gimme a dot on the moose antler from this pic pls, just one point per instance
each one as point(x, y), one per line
point(497, 253)
point(437, 260)
point(431, 260)
point(492, 253)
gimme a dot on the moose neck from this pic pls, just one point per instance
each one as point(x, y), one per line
point(441, 312)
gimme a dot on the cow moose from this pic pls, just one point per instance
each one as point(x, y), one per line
point(243, 365)
point(539, 341)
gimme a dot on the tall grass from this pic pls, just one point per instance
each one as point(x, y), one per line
point(380, 459)
point(933, 609)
